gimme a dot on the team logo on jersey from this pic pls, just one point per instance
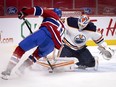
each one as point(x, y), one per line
point(79, 39)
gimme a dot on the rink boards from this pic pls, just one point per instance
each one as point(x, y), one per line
point(13, 30)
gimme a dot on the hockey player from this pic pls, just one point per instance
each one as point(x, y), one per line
point(45, 39)
point(78, 31)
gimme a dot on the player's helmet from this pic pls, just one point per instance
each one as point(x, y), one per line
point(58, 12)
point(83, 21)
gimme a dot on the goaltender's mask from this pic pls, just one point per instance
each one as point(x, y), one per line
point(83, 21)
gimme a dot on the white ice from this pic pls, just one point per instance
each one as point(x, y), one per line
point(104, 77)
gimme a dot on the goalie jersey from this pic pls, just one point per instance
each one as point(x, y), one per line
point(75, 38)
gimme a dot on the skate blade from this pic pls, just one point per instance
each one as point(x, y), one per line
point(6, 77)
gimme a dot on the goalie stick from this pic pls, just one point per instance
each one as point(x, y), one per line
point(25, 21)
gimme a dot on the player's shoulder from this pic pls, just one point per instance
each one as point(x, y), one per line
point(91, 27)
point(72, 22)
point(72, 19)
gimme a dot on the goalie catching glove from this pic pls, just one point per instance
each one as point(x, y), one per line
point(106, 52)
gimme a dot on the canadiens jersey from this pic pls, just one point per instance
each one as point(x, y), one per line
point(51, 21)
point(75, 38)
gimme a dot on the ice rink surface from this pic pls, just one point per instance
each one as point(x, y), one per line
point(105, 76)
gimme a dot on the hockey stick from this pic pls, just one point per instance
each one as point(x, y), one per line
point(25, 21)
point(49, 63)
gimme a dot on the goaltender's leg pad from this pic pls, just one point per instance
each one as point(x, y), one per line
point(59, 62)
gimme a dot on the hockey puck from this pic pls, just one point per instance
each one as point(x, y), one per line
point(50, 71)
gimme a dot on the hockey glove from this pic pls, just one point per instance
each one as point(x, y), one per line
point(22, 14)
point(107, 53)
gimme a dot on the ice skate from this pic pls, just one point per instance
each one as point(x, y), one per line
point(5, 74)
point(21, 70)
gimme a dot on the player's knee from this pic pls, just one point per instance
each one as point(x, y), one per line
point(92, 64)
point(18, 52)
